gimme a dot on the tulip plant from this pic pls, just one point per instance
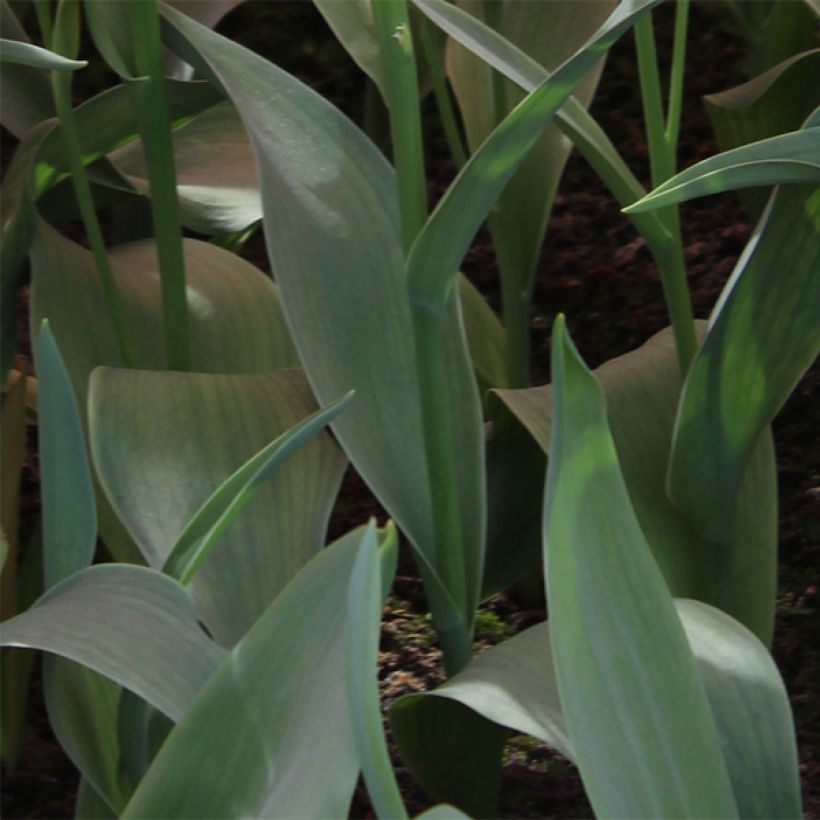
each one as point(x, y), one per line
point(221, 660)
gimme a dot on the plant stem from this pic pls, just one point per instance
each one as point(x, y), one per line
point(515, 309)
point(155, 130)
point(431, 44)
point(43, 12)
point(401, 89)
point(65, 41)
point(662, 156)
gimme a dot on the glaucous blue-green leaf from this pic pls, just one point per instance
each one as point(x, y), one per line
point(763, 335)
point(164, 442)
point(131, 624)
point(334, 241)
point(549, 33)
point(217, 182)
point(440, 246)
point(234, 494)
point(90, 805)
point(793, 158)
point(69, 511)
point(443, 811)
point(773, 103)
point(278, 707)
point(236, 321)
point(485, 336)
point(636, 711)
point(514, 685)
point(31, 56)
point(642, 390)
point(365, 599)
point(25, 93)
point(352, 23)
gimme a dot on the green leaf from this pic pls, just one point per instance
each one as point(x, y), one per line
point(69, 511)
point(763, 335)
point(352, 23)
point(334, 241)
point(636, 712)
point(514, 685)
point(25, 93)
point(777, 101)
point(90, 805)
point(217, 183)
point(26, 54)
point(132, 624)
point(485, 336)
point(443, 812)
point(279, 709)
point(642, 390)
point(365, 598)
point(793, 157)
point(439, 248)
point(163, 443)
point(236, 492)
point(453, 752)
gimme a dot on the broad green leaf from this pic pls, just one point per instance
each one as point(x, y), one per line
point(236, 322)
point(636, 711)
point(793, 157)
point(235, 493)
point(132, 624)
point(27, 54)
point(332, 228)
point(439, 248)
point(454, 753)
point(90, 805)
point(163, 443)
point(82, 709)
point(365, 598)
point(774, 103)
point(642, 390)
point(25, 93)
point(763, 335)
point(352, 23)
point(549, 33)
point(514, 685)
point(217, 182)
point(69, 511)
point(485, 336)
point(278, 706)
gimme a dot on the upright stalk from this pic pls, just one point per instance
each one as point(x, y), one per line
point(662, 139)
point(65, 42)
point(155, 130)
point(429, 329)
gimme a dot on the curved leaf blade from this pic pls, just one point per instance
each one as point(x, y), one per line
point(163, 443)
point(131, 624)
point(636, 711)
point(16, 52)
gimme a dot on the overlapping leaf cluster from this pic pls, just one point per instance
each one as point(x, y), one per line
point(221, 662)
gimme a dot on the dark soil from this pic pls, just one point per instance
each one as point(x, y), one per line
point(595, 270)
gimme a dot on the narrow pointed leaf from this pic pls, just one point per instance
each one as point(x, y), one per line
point(276, 693)
point(236, 492)
point(514, 685)
point(332, 228)
point(439, 248)
point(69, 511)
point(163, 443)
point(793, 157)
point(485, 336)
point(90, 805)
point(27, 54)
point(762, 337)
point(364, 607)
point(636, 711)
point(642, 390)
point(132, 624)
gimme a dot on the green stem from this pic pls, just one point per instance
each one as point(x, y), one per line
point(676, 78)
point(431, 44)
point(43, 12)
point(401, 90)
point(516, 320)
point(155, 130)
point(65, 42)
point(662, 157)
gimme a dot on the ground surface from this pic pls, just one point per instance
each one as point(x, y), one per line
point(595, 270)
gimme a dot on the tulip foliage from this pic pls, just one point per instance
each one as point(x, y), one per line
point(196, 416)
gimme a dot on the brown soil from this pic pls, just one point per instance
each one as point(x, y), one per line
point(595, 270)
